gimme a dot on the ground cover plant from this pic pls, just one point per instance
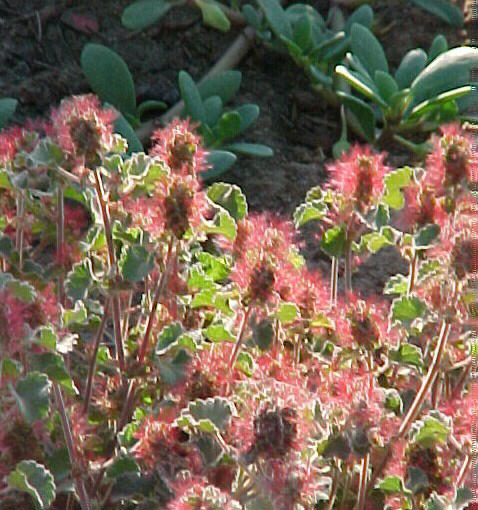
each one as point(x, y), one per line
point(164, 345)
point(163, 348)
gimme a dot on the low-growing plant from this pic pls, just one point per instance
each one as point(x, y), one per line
point(8, 105)
point(161, 347)
point(144, 13)
point(110, 78)
point(425, 91)
point(315, 44)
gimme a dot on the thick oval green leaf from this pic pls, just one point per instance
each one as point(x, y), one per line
point(250, 149)
point(220, 162)
point(34, 479)
point(224, 84)
point(363, 16)
point(124, 128)
point(136, 263)
point(213, 108)
point(438, 46)
point(144, 13)
point(109, 77)
point(302, 30)
point(191, 96)
point(150, 105)
point(361, 83)
point(251, 16)
point(230, 197)
point(297, 11)
point(442, 9)
point(32, 394)
point(363, 112)
point(8, 105)
point(213, 15)
point(276, 17)
point(249, 114)
point(410, 67)
point(368, 49)
point(386, 85)
point(228, 126)
point(448, 71)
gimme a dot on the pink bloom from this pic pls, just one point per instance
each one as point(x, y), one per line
point(180, 147)
point(359, 176)
point(452, 161)
point(83, 129)
point(9, 142)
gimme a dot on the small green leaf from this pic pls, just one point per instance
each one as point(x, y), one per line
point(334, 241)
point(407, 309)
point(22, 290)
point(442, 9)
point(368, 49)
point(230, 197)
point(218, 333)
point(360, 83)
point(409, 354)
point(76, 315)
point(173, 370)
point(216, 268)
point(391, 484)
point(249, 113)
point(223, 224)
point(428, 268)
point(218, 410)
point(32, 394)
point(397, 284)
point(8, 105)
point(426, 235)
point(302, 30)
point(245, 363)
point(432, 431)
point(10, 368)
point(191, 96)
point(363, 15)
point(121, 465)
point(150, 105)
point(144, 13)
point(393, 400)
point(256, 150)
point(136, 263)
point(109, 77)
point(53, 365)
point(213, 15)
point(276, 18)
point(220, 162)
point(394, 181)
point(410, 67)
point(287, 313)
point(34, 479)
point(168, 336)
point(79, 279)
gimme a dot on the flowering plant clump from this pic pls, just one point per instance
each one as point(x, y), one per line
point(162, 348)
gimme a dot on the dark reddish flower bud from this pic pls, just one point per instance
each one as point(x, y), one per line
point(275, 431)
point(262, 282)
point(465, 257)
point(177, 210)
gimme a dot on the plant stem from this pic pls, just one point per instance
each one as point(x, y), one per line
point(154, 306)
point(427, 382)
point(112, 263)
point(412, 273)
point(363, 482)
point(333, 489)
point(464, 471)
point(418, 401)
point(60, 243)
point(20, 225)
point(92, 366)
point(348, 268)
point(240, 338)
point(65, 424)
point(334, 276)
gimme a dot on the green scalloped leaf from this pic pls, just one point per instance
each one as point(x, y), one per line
point(34, 479)
point(218, 411)
point(32, 394)
point(230, 197)
point(136, 263)
point(53, 365)
point(406, 309)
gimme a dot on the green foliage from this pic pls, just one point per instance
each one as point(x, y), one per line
point(32, 394)
point(8, 105)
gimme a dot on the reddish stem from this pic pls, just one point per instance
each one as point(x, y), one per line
point(240, 338)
